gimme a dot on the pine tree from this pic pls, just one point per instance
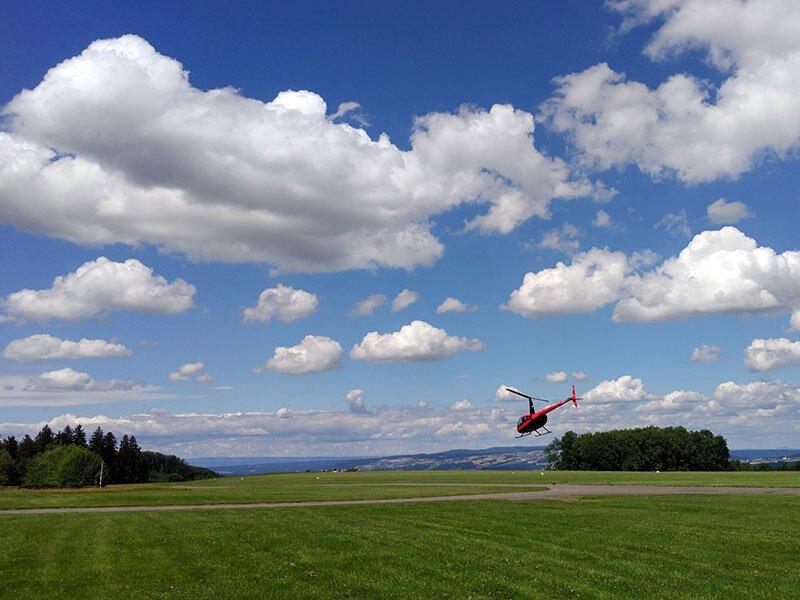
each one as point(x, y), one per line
point(79, 436)
point(108, 452)
point(11, 446)
point(27, 448)
point(65, 436)
point(96, 441)
point(44, 439)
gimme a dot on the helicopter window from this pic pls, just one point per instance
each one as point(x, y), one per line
point(521, 420)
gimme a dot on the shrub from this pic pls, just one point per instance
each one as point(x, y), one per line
point(63, 466)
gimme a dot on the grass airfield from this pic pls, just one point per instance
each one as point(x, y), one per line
point(294, 487)
point(610, 547)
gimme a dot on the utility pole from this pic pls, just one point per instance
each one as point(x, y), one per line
point(101, 473)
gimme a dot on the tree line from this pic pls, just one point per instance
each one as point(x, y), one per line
point(68, 459)
point(641, 449)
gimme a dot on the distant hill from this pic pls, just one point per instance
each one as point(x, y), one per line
point(498, 458)
point(503, 458)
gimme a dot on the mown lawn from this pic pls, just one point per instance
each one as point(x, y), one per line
point(388, 484)
point(614, 547)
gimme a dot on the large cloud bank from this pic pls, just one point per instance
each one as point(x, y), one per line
point(684, 126)
point(116, 145)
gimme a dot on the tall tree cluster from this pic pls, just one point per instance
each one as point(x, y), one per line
point(67, 458)
point(642, 449)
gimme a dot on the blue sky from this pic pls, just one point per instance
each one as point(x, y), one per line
point(117, 154)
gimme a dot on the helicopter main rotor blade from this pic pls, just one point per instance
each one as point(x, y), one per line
point(518, 393)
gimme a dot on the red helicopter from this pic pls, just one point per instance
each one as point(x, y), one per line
point(534, 421)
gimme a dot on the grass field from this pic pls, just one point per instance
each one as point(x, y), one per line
point(341, 486)
point(615, 547)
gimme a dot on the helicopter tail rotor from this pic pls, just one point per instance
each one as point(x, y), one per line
point(574, 398)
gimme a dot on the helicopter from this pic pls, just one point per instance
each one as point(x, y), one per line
point(534, 422)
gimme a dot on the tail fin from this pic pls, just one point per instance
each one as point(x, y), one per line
point(574, 398)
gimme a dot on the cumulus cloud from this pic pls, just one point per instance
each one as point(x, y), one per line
point(705, 353)
point(404, 299)
point(579, 376)
point(721, 212)
point(43, 346)
point(556, 377)
point(721, 271)
point(314, 354)
point(368, 305)
point(675, 402)
point(622, 389)
point(461, 405)
point(503, 395)
point(718, 272)
point(454, 305)
point(299, 432)
point(282, 302)
point(768, 354)
point(686, 126)
point(98, 287)
point(355, 401)
point(416, 342)
point(772, 407)
point(115, 145)
point(191, 372)
point(602, 219)
point(563, 239)
point(591, 281)
point(70, 380)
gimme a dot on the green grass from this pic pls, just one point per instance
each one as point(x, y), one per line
point(615, 547)
point(341, 486)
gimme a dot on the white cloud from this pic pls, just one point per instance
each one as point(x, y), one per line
point(286, 432)
point(461, 405)
point(70, 380)
point(676, 224)
point(368, 305)
point(191, 371)
point(721, 212)
point(556, 377)
point(454, 305)
point(602, 219)
point(463, 429)
point(43, 346)
point(579, 376)
point(116, 145)
point(404, 299)
point(563, 239)
point(503, 395)
point(755, 400)
point(718, 272)
point(675, 402)
point(281, 302)
point(765, 355)
point(591, 281)
point(622, 389)
point(355, 401)
point(721, 271)
point(314, 354)
point(705, 353)
point(686, 126)
point(100, 286)
point(416, 342)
